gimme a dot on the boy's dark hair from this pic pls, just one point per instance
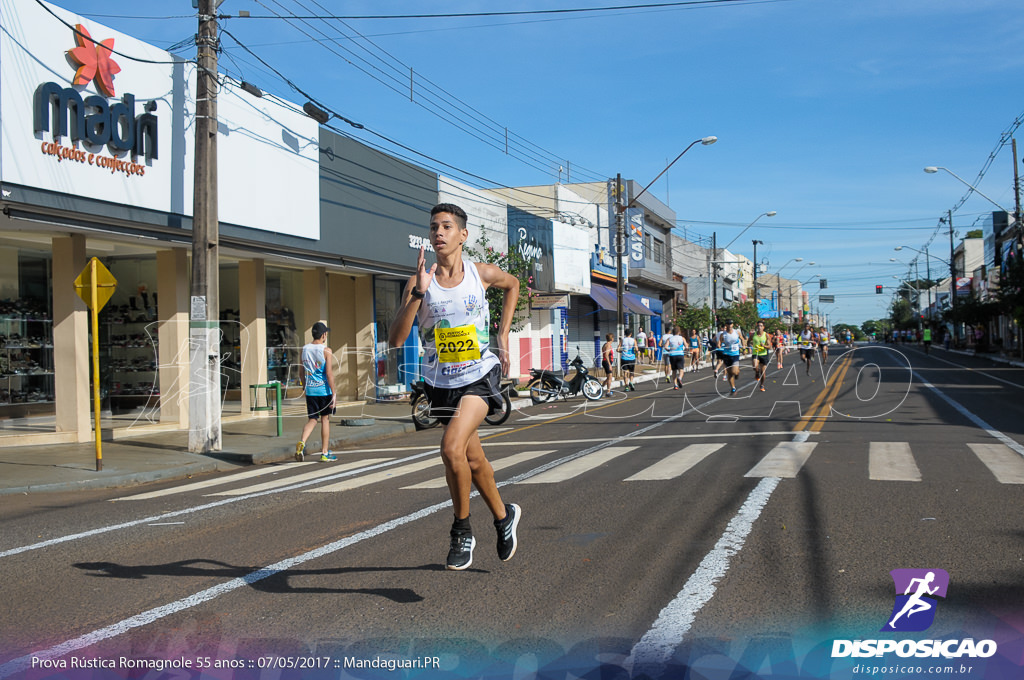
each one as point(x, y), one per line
point(451, 209)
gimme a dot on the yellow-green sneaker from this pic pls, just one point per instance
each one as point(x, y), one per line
point(328, 457)
point(299, 448)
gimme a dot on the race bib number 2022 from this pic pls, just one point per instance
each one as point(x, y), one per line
point(456, 345)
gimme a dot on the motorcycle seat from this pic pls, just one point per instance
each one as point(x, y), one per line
point(557, 374)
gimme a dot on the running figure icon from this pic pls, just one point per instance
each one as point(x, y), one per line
point(914, 609)
point(915, 604)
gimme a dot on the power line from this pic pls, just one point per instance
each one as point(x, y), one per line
point(577, 10)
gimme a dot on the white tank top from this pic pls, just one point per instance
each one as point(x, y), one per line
point(455, 330)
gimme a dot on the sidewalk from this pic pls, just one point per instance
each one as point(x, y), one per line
point(134, 453)
point(143, 454)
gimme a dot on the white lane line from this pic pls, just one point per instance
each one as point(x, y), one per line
point(973, 418)
point(21, 663)
point(578, 466)
point(147, 617)
point(211, 482)
point(199, 508)
point(658, 644)
point(974, 370)
point(501, 464)
point(785, 460)
point(1006, 465)
point(383, 475)
point(591, 440)
point(317, 475)
point(676, 464)
point(892, 462)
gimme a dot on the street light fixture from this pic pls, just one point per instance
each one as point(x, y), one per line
point(770, 213)
point(932, 169)
point(620, 237)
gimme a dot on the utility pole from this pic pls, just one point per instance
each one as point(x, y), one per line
point(204, 330)
point(620, 245)
point(757, 297)
point(952, 277)
point(714, 281)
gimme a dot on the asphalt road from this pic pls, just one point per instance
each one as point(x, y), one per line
point(664, 526)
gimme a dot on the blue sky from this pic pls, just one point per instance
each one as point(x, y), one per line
point(826, 110)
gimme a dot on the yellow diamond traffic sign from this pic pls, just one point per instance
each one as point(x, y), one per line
point(105, 284)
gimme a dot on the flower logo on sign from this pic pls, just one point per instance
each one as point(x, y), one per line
point(94, 61)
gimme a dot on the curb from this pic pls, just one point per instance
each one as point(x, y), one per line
point(120, 481)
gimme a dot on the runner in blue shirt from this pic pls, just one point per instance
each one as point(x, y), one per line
point(731, 342)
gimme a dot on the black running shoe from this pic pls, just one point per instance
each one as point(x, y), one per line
point(460, 554)
point(506, 528)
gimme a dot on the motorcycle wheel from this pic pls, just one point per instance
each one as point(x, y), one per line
point(501, 415)
point(592, 388)
point(539, 392)
point(421, 413)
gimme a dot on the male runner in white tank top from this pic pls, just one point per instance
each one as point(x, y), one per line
point(461, 372)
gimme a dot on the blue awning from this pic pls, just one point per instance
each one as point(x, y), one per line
point(607, 298)
point(642, 304)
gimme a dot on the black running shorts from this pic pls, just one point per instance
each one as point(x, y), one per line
point(444, 401)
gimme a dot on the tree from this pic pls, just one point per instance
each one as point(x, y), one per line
point(515, 264)
point(879, 328)
point(972, 310)
point(743, 314)
point(1011, 290)
point(691, 316)
point(902, 314)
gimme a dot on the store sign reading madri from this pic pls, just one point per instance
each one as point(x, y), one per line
point(93, 120)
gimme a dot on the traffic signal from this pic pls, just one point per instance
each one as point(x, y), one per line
point(878, 290)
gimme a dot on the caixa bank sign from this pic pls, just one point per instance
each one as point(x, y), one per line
point(95, 120)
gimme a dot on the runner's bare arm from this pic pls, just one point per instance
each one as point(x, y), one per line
point(492, 275)
point(402, 325)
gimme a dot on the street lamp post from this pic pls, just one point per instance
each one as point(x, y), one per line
point(620, 237)
point(778, 283)
point(928, 270)
point(932, 169)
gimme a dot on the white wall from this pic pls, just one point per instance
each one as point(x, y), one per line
point(488, 213)
point(268, 170)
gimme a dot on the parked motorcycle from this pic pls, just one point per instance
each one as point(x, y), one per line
point(421, 407)
point(546, 384)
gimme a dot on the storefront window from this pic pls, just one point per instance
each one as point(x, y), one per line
point(284, 343)
point(386, 300)
point(230, 339)
point(26, 335)
point(129, 380)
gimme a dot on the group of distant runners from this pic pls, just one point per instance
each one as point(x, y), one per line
point(683, 352)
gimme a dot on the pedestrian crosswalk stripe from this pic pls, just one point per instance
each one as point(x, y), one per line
point(676, 464)
point(383, 475)
point(785, 460)
point(893, 462)
point(1006, 464)
point(578, 466)
point(323, 471)
point(501, 464)
point(206, 484)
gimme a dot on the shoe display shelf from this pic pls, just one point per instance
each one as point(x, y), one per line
point(26, 363)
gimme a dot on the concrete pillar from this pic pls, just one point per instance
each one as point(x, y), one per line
point(252, 310)
point(173, 309)
point(363, 323)
point(71, 353)
point(350, 317)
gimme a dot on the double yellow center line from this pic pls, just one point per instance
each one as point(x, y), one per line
point(821, 409)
